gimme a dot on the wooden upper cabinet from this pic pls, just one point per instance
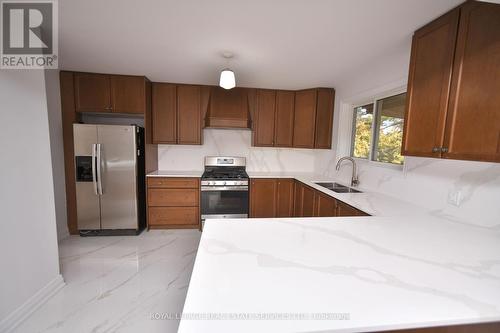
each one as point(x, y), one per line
point(283, 124)
point(164, 109)
point(304, 118)
point(453, 101)
point(429, 86)
point(324, 118)
point(128, 94)
point(110, 93)
point(284, 198)
point(263, 197)
point(324, 205)
point(189, 114)
point(264, 118)
point(473, 120)
point(92, 92)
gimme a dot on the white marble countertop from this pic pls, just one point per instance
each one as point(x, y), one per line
point(373, 203)
point(381, 272)
point(166, 173)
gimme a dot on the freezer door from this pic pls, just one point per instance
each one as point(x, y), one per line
point(87, 200)
point(117, 145)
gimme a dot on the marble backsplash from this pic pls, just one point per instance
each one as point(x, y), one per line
point(429, 183)
point(426, 182)
point(220, 142)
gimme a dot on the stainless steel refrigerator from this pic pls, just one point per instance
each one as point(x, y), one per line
point(110, 180)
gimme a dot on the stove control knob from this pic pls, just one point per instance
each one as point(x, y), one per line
point(224, 183)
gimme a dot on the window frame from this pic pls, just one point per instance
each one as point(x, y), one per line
point(374, 133)
point(353, 132)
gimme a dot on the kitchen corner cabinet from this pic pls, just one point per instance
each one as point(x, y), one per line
point(313, 118)
point(452, 100)
point(173, 203)
point(313, 203)
point(103, 93)
point(270, 197)
point(324, 205)
point(303, 200)
point(177, 114)
point(284, 197)
point(324, 118)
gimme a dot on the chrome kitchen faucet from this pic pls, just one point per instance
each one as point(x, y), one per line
point(354, 178)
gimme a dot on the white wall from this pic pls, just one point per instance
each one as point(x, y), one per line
point(57, 150)
point(424, 181)
point(220, 142)
point(28, 240)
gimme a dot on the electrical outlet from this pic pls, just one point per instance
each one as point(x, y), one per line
point(455, 197)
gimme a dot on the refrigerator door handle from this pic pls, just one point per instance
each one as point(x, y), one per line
point(99, 177)
point(94, 176)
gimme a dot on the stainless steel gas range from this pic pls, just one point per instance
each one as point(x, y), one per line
point(224, 188)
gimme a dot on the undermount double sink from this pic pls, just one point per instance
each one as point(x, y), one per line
point(339, 188)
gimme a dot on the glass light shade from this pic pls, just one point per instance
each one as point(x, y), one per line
point(227, 80)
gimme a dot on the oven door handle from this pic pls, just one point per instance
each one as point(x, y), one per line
point(223, 188)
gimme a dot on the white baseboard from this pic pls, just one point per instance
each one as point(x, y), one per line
point(16, 317)
point(62, 234)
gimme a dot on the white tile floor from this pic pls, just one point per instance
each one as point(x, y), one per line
point(114, 284)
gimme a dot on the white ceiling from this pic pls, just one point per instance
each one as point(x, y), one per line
point(288, 44)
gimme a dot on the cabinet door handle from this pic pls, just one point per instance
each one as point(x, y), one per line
point(436, 149)
point(444, 150)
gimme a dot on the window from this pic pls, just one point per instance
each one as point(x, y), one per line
point(363, 119)
point(378, 130)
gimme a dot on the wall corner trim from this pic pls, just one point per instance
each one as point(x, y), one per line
point(16, 317)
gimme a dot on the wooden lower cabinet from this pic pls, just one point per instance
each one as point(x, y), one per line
point(324, 205)
point(173, 197)
point(346, 210)
point(173, 203)
point(308, 195)
point(263, 197)
point(164, 216)
point(270, 197)
point(284, 197)
point(304, 200)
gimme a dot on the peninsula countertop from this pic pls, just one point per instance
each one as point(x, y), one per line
point(369, 273)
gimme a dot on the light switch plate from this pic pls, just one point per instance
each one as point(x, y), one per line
point(455, 197)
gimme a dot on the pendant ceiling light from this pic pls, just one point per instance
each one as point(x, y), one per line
point(227, 79)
